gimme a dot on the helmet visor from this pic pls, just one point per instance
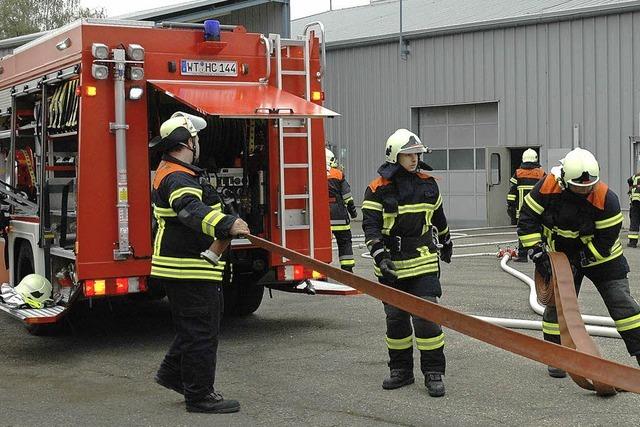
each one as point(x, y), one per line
point(584, 180)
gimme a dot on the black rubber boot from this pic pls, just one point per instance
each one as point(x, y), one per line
point(171, 385)
point(348, 268)
point(556, 372)
point(214, 404)
point(398, 378)
point(434, 383)
point(633, 243)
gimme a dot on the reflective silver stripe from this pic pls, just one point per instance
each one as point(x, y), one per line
point(378, 252)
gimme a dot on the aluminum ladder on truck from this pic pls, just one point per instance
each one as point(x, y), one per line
point(287, 135)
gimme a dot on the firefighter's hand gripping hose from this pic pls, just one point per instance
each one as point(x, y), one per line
point(579, 363)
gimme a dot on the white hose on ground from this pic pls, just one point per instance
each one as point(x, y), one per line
point(473, 245)
point(599, 331)
point(533, 298)
point(493, 254)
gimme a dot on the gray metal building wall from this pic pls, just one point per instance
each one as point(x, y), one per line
point(266, 18)
point(545, 77)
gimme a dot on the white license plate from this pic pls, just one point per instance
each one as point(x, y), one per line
point(190, 67)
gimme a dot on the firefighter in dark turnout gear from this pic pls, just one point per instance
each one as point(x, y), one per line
point(522, 181)
point(634, 210)
point(402, 215)
point(189, 217)
point(341, 206)
point(579, 215)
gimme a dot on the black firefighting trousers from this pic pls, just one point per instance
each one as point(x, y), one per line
point(345, 250)
point(191, 359)
point(429, 335)
point(634, 219)
point(622, 307)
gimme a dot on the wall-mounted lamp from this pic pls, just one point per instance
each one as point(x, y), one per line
point(64, 44)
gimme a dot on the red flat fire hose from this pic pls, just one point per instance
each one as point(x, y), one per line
point(578, 362)
point(561, 292)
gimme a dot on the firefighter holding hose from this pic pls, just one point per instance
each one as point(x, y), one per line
point(579, 215)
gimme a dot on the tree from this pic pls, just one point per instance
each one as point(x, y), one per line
point(18, 17)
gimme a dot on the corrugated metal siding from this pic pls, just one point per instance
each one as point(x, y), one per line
point(4, 52)
point(266, 18)
point(546, 77)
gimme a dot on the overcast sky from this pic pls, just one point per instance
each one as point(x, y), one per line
point(299, 8)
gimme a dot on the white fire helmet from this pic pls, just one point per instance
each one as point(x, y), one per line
point(580, 168)
point(530, 156)
point(35, 290)
point(403, 141)
point(331, 159)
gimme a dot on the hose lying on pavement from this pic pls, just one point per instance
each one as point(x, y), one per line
point(533, 297)
point(580, 364)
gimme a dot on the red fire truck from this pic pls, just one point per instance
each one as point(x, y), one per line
point(77, 109)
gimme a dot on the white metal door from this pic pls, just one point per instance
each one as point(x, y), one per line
point(498, 165)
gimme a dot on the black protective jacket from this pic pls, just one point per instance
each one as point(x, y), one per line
point(522, 181)
point(399, 211)
point(340, 200)
point(586, 229)
point(189, 216)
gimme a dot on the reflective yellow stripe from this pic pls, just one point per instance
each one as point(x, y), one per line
point(399, 344)
point(347, 262)
point(628, 323)
point(340, 227)
point(374, 206)
point(388, 219)
point(609, 222)
point(632, 236)
point(445, 231)
point(529, 240)
point(566, 233)
point(175, 273)
point(217, 207)
point(430, 343)
point(186, 263)
point(182, 191)
point(511, 197)
point(551, 328)
point(347, 199)
point(533, 204)
point(419, 207)
point(411, 272)
point(159, 233)
point(166, 212)
point(594, 251)
point(513, 180)
point(209, 222)
point(616, 251)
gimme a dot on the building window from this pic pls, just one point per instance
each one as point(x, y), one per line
point(461, 159)
point(437, 159)
point(480, 159)
point(495, 169)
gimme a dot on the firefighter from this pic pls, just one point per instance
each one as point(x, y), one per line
point(341, 207)
point(634, 210)
point(189, 217)
point(579, 215)
point(522, 181)
point(403, 219)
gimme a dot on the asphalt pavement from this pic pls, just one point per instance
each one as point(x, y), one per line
point(305, 360)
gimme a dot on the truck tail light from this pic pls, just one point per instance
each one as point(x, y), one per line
point(114, 286)
point(297, 272)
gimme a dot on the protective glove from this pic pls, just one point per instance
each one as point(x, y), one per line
point(586, 257)
point(541, 259)
point(353, 212)
point(388, 270)
point(447, 249)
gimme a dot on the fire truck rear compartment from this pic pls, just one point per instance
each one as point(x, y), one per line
point(234, 154)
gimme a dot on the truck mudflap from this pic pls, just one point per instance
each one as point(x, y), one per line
point(313, 287)
point(39, 316)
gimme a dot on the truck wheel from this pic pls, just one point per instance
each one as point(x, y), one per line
point(24, 262)
point(242, 297)
point(24, 267)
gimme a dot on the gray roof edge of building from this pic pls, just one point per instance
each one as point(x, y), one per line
point(19, 40)
point(564, 15)
point(176, 9)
